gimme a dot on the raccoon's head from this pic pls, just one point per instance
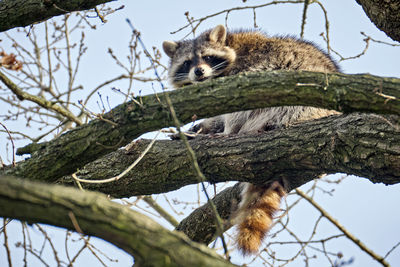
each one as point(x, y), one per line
point(199, 59)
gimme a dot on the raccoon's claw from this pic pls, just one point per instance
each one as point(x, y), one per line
point(175, 136)
point(188, 134)
point(196, 128)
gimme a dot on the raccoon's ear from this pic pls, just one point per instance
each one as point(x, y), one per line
point(170, 48)
point(218, 34)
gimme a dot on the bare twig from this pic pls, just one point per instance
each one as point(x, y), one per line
point(328, 46)
point(96, 115)
point(303, 20)
point(6, 242)
point(391, 250)
point(195, 23)
point(51, 244)
point(122, 174)
point(74, 222)
point(349, 235)
point(71, 261)
point(101, 17)
point(12, 144)
point(149, 200)
point(377, 41)
point(23, 227)
point(38, 100)
point(342, 58)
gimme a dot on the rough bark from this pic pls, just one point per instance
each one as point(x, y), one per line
point(94, 214)
point(366, 145)
point(200, 225)
point(385, 15)
point(64, 155)
point(21, 13)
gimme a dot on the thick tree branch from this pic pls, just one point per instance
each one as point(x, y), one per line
point(21, 13)
point(64, 155)
point(362, 144)
point(385, 15)
point(148, 242)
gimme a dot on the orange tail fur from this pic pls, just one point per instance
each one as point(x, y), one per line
point(255, 214)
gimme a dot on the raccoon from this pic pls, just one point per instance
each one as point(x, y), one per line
point(217, 53)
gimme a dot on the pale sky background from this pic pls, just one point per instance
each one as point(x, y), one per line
point(368, 211)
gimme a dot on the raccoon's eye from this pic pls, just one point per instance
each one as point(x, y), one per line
point(186, 64)
point(184, 68)
point(216, 62)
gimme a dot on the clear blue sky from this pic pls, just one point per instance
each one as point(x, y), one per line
point(368, 211)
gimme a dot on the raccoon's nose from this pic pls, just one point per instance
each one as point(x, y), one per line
point(199, 71)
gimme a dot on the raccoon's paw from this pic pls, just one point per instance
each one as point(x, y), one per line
point(188, 134)
point(197, 128)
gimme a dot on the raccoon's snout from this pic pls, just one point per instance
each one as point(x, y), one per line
point(199, 71)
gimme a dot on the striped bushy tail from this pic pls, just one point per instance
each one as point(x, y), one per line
point(255, 214)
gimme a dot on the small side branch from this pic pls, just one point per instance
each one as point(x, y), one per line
point(304, 18)
point(38, 100)
point(349, 235)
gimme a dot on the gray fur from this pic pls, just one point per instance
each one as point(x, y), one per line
point(249, 51)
